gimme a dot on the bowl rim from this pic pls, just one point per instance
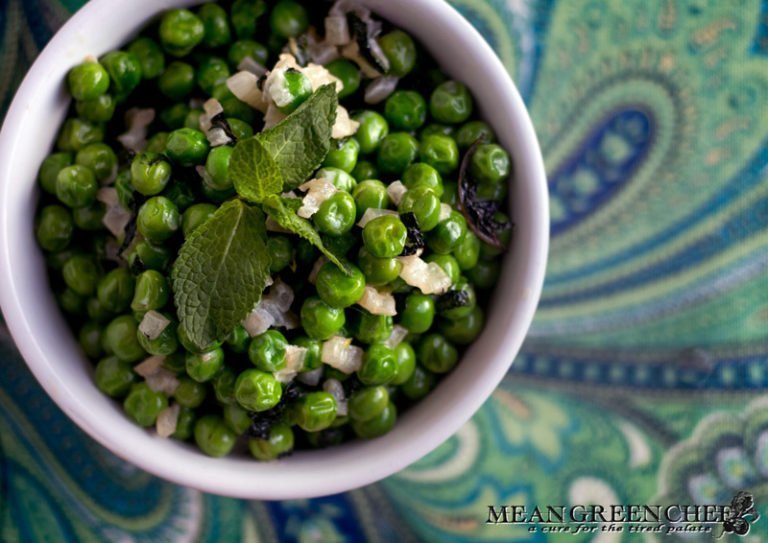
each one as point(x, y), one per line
point(220, 476)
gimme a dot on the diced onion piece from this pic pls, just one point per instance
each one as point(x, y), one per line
point(282, 294)
point(322, 52)
point(342, 408)
point(338, 352)
point(248, 64)
point(163, 381)
point(244, 85)
point(351, 51)
point(379, 89)
point(294, 361)
point(318, 191)
point(153, 324)
point(116, 217)
point(213, 107)
point(272, 116)
point(258, 321)
point(430, 278)
point(373, 213)
point(337, 30)
point(336, 389)
point(149, 366)
point(311, 378)
point(167, 421)
point(344, 126)
point(377, 303)
point(318, 76)
point(445, 212)
point(399, 333)
point(396, 190)
point(319, 263)
point(135, 138)
point(217, 137)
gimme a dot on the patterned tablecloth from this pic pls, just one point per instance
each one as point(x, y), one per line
point(644, 376)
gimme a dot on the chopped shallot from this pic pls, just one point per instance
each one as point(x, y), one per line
point(318, 191)
point(149, 366)
point(294, 361)
point(337, 30)
point(311, 378)
point(338, 352)
point(137, 120)
point(430, 278)
point(248, 64)
point(373, 213)
point(116, 217)
point(344, 125)
point(336, 389)
point(217, 137)
point(399, 333)
point(244, 85)
point(272, 116)
point(380, 88)
point(167, 421)
point(258, 321)
point(351, 51)
point(153, 324)
point(163, 381)
point(377, 303)
point(396, 190)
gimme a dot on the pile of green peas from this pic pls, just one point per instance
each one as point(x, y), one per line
point(228, 391)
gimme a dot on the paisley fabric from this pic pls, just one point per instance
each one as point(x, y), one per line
point(644, 376)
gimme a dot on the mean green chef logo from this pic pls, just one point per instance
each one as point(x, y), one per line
point(736, 518)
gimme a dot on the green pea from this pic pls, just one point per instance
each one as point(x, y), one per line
point(367, 402)
point(193, 347)
point(280, 250)
point(256, 390)
point(99, 157)
point(97, 312)
point(267, 351)
point(437, 129)
point(290, 90)
point(396, 152)
point(216, 196)
point(339, 245)
point(50, 168)
point(279, 442)
point(504, 234)
point(489, 163)
point(405, 359)
point(320, 320)
point(451, 103)
point(150, 174)
point(316, 411)
point(217, 167)
point(89, 338)
point(180, 194)
point(365, 170)
point(405, 110)
point(157, 143)
point(449, 264)
point(76, 186)
point(180, 31)
point(368, 194)
point(158, 219)
point(245, 15)
point(240, 129)
point(88, 80)
point(372, 131)
point(338, 178)
point(210, 72)
point(463, 330)
point(77, 133)
point(379, 365)
point(437, 354)
point(348, 73)
point(312, 356)
point(344, 156)
point(336, 215)
point(177, 81)
point(189, 393)
point(288, 19)
point(418, 314)
point(150, 256)
point(216, 32)
point(175, 362)
point(242, 49)
point(474, 131)
point(163, 345)
point(213, 436)
point(400, 50)
point(467, 252)
point(174, 117)
point(337, 288)
point(423, 175)
point(192, 120)
point(81, 273)
point(237, 418)
point(54, 228)
point(224, 384)
point(184, 424)
point(114, 377)
point(203, 366)
point(97, 110)
point(378, 271)
point(195, 216)
point(150, 56)
point(120, 339)
point(385, 236)
point(465, 292)
point(71, 302)
point(378, 425)
point(124, 72)
point(115, 290)
point(420, 383)
point(493, 191)
point(187, 146)
point(368, 328)
point(440, 152)
point(450, 193)
point(485, 274)
point(425, 206)
point(448, 234)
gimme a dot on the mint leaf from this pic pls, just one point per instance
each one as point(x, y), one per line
point(286, 217)
point(221, 272)
point(253, 171)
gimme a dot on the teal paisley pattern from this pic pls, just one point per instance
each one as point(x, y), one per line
point(645, 373)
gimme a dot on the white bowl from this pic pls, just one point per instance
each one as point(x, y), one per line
point(53, 355)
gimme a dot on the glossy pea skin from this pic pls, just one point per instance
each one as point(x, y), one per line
point(496, 192)
point(349, 74)
point(243, 49)
point(451, 103)
point(114, 377)
point(81, 273)
point(447, 234)
point(425, 206)
point(372, 131)
point(365, 170)
point(319, 320)
point(180, 31)
point(290, 89)
point(50, 168)
point(99, 157)
point(224, 383)
point(312, 356)
point(338, 178)
point(474, 131)
point(119, 338)
point(189, 393)
point(151, 256)
point(367, 402)
point(344, 155)
point(216, 31)
point(256, 390)
point(89, 218)
point(158, 219)
point(238, 340)
point(240, 129)
point(192, 120)
point(88, 80)
point(124, 72)
point(467, 252)
point(440, 152)
point(150, 173)
point(338, 289)
point(213, 436)
point(150, 56)
point(485, 274)
point(177, 81)
point(210, 72)
point(379, 366)
point(115, 290)
point(217, 166)
point(419, 384)
point(193, 347)
point(315, 411)
point(405, 110)
point(89, 338)
point(77, 133)
point(405, 359)
point(97, 110)
point(378, 425)
point(76, 186)
point(463, 330)
point(288, 19)
point(450, 193)
point(448, 263)
point(244, 16)
point(437, 129)
point(423, 175)
point(368, 194)
point(400, 50)
point(184, 424)
point(385, 236)
point(336, 215)
point(187, 146)
point(194, 216)
point(418, 314)
point(436, 353)
point(54, 228)
point(267, 351)
point(203, 366)
point(469, 299)
point(237, 418)
point(378, 271)
point(489, 163)
point(280, 249)
point(165, 344)
point(143, 405)
point(396, 152)
point(280, 441)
